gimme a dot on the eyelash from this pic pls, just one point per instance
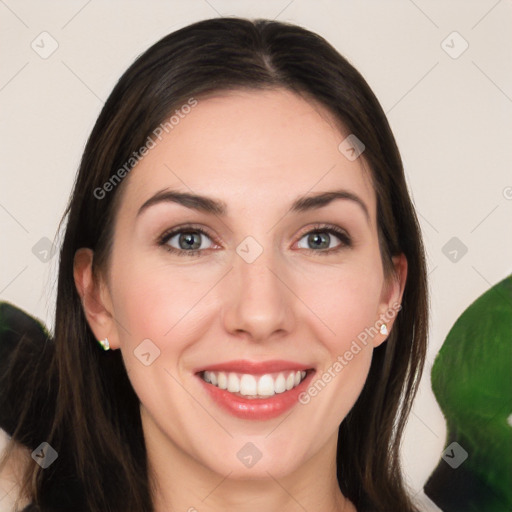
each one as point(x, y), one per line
point(341, 234)
point(181, 230)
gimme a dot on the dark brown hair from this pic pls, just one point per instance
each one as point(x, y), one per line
point(95, 420)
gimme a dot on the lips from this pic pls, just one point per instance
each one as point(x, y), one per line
point(255, 367)
point(255, 390)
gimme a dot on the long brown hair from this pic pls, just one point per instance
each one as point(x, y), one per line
point(95, 421)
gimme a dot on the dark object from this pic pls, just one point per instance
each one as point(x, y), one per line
point(26, 351)
point(472, 381)
point(25, 346)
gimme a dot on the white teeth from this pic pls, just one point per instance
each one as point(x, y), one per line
point(280, 384)
point(248, 385)
point(233, 383)
point(255, 386)
point(266, 386)
point(222, 380)
point(290, 381)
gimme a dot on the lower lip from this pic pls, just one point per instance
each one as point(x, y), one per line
point(256, 408)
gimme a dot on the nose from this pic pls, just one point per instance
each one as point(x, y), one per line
point(258, 304)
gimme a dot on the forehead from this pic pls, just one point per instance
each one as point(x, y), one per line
point(250, 148)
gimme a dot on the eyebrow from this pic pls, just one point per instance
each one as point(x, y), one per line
point(217, 207)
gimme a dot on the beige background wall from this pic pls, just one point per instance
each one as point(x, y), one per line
point(449, 106)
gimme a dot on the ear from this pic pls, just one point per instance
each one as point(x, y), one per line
point(95, 296)
point(391, 298)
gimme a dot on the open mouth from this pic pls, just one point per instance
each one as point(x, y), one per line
point(251, 386)
point(255, 390)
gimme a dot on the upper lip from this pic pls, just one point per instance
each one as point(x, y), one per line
point(255, 367)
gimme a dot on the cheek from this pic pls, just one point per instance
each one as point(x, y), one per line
point(346, 300)
point(158, 305)
point(154, 303)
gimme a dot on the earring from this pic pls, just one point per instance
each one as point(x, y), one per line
point(105, 345)
point(384, 329)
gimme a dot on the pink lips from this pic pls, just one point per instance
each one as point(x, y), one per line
point(255, 367)
point(256, 408)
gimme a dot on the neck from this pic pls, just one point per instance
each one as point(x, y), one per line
point(181, 483)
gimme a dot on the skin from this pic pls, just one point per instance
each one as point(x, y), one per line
point(257, 152)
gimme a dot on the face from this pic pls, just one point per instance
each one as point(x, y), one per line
point(255, 289)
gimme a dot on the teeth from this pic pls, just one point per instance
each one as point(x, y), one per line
point(280, 384)
point(222, 380)
point(254, 386)
point(248, 385)
point(233, 383)
point(290, 381)
point(266, 386)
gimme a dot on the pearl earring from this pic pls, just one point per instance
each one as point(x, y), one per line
point(384, 329)
point(104, 344)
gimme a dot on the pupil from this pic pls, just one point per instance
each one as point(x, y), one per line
point(316, 239)
point(188, 239)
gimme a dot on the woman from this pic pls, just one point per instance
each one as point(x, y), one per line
point(241, 243)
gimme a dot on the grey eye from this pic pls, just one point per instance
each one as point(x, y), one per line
point(319, 240)
point(187, 241)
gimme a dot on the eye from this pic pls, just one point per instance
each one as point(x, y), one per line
point(186, 241)
point(191, 240)
point(322, 239)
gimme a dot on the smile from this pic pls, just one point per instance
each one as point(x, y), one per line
point(255, 390)
point(255, 386)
